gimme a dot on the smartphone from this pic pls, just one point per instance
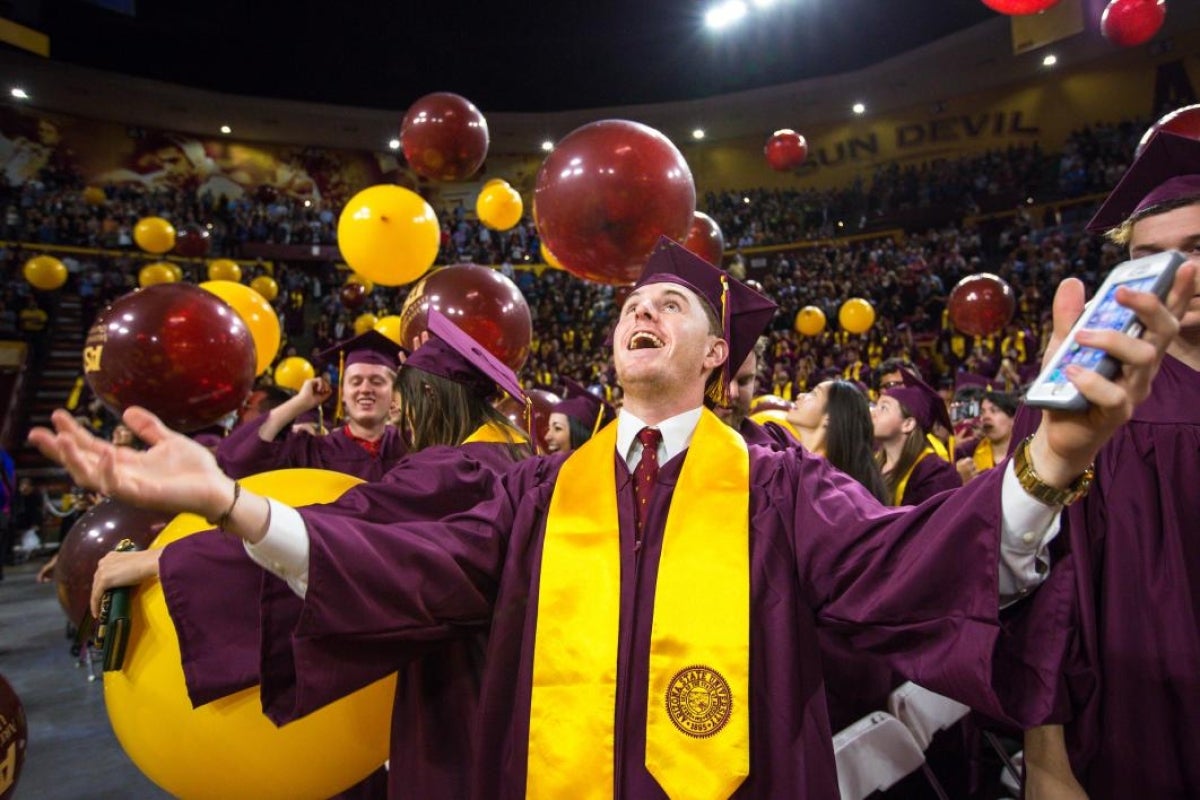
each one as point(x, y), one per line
point(1153, 273)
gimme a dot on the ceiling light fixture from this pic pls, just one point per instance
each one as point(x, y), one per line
point(724, 14)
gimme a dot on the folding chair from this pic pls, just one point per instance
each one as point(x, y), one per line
point(873, 754)
point(925, 713)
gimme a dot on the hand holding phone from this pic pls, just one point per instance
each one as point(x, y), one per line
point(1154, 273)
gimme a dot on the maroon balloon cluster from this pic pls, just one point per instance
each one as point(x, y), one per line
point(981, 305)
point(483, 302)
point(1182, 121)
point(606, 193)
point(444, 137)
point(174, 349)
point(92, 536)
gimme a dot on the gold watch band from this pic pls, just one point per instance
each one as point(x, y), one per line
point(1037, 488)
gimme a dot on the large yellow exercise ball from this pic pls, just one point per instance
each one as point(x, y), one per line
point(365, 322)
point(154, 234)
point(45, 272)
point(266, 286)
point(228, 748)
point(292, 372)
point(256, 312)
point(856, 315)
point(224, 269)
point(390, 326)
point(499, 205)
point(156, 273)
point(388, 234)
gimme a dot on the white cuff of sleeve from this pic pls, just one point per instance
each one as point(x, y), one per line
point(283, 550)
point(1027, 528)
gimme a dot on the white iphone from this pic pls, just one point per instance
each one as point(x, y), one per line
point(1153, 273)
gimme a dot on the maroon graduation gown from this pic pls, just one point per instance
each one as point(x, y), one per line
point(768, 434)
point(918, 586)
point(243, 453)
point(930, 476)
point(1135, 540)
point(209, 583)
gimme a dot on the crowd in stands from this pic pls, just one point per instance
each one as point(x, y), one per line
point(906, 279)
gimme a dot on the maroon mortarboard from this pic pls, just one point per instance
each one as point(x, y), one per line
point(966, 380)
point(454, 355)
point(744, 313)
point(586, 407)
point(1167, 169)
point(921, 401)
point(371, 347)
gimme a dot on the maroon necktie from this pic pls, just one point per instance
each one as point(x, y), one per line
point(646, 474)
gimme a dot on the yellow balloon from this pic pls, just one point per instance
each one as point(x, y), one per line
point(45, 272)
point(228, 748)
point(292, 372)
point(365, 322)
point(548, 257)
point(810, 321)
point(94, 196)
point(266, 286)
point(856, 315)
point(159, 272)
point(390, 326)
point(366, 283)
point(154, 234)
point(176, 270)
point(388, 234)
point(499, 206)
point(222, 269)
point(256, 312)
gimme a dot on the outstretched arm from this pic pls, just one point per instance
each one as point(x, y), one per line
point(174, 474)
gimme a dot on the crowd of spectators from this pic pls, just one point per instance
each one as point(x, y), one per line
point(907, 279)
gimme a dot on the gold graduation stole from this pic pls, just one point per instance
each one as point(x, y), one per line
point(983, 456)
point(697, 718)
point(900, 487)
point(493, 433)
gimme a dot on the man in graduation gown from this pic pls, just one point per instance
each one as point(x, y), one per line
point(665, 647)
point(746, 346)
point(1134, 689)
point(365, 446)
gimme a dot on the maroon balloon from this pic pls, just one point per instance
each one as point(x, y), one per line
point(1128, 23)
point(174, 349)
point(444, 136)
point(543, 405)
point(193, 241)
point(93, 535)
point(755, 285)
point(1020, 7)
point(1182, 121)
point(14, 738)
point(785, 150)
point(481, 301)
point(606, 193)
point(705, 239)
point(981, 305)
point(353, 295)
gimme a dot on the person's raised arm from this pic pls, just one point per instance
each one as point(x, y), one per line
point(313, 392)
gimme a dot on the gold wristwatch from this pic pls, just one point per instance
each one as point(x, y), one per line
point(1042, 491)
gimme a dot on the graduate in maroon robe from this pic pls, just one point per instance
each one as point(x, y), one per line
point(209, 583)
point(587, 588)
point(364, 445)
point(914, 468)
point(1131, 730)
point(576, 417)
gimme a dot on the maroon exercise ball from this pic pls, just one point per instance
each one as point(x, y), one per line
point(606, 193)
point(705, 239)
point(92, 536)
point(174, 349)
point(444, 137)
point(481, 301)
